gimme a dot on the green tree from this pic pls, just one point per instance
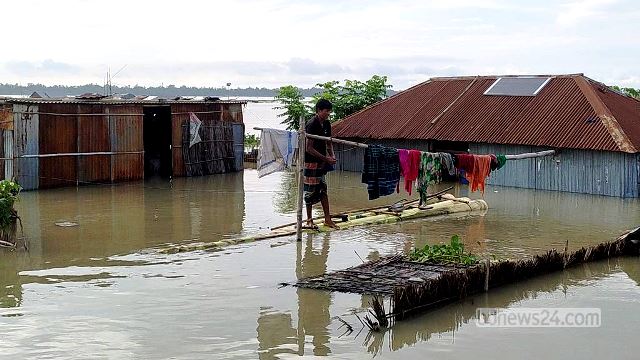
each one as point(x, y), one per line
point(634, 93)
point(292, 101)
point(251, 141)
point(347, 99)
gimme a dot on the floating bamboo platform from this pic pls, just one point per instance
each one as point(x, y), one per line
point(415, 287)
point(443, 204)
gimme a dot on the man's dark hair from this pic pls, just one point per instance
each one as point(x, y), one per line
point(323, 104)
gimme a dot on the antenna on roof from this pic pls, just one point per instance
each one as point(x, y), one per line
point(108, 88)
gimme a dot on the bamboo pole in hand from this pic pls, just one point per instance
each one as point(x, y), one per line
point(301, 151)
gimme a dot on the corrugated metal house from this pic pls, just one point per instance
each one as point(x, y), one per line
point(49, 143)
point(595, 129)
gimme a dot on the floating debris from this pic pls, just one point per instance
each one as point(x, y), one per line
point(397, 276)
point(66, 224)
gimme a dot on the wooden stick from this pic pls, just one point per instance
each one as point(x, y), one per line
point(352, 143)
point(530, 155)
point(365, 209)
point(487, 266)
point(339, 141)
point(7, 244)
point(301, 153)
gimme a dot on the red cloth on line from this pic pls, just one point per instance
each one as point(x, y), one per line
point(465, 162)
point(481, 170)
point(410, 171)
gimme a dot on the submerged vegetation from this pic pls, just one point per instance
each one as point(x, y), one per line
point(452, 253)
point(9, 191)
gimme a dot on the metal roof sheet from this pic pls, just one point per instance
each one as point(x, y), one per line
point(116, 101)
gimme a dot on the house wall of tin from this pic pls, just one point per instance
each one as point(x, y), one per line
point(25, 137)
point(238, 145)
point(93, 136)
point(125, 124)
point(6, 137)
point(58, 129)
point(579, 171)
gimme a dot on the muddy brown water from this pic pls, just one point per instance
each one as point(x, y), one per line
point(101, 290)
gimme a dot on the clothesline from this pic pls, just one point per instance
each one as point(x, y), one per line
point(353, 143)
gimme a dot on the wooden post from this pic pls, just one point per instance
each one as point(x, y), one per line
point(300, 168)
point(487, 266)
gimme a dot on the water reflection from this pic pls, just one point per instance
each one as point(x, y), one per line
point(452, 317)
point(135, 298)
point(119, 219)
point(276, 335)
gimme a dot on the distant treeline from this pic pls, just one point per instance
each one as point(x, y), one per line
point(162, 91)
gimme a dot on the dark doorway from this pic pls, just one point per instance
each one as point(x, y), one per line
point(157, 141)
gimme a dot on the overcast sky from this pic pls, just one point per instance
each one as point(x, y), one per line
point(275, 42)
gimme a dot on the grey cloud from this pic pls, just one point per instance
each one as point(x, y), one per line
point(46, 67)
point(310, 67)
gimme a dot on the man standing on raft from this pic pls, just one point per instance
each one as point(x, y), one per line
point(319, 158)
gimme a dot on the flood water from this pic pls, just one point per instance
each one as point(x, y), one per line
point(101, 290)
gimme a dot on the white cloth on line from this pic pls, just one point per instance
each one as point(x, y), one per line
point(194, 129)
point(277, 151)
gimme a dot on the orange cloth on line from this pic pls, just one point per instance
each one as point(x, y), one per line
point(481, 170)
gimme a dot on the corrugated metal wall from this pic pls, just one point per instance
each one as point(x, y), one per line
point(56, 128)
point(93, 136)
point(579, 171)
point(58, 134)
point(126, 136)
point(238, 145)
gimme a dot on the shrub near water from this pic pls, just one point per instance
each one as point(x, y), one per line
point(452, 253)
point(9, 191)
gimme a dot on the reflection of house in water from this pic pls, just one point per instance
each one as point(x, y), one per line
point(10, 284)
point(121, 219)
point(275, 331)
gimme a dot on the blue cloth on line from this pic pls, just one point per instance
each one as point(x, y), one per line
point(381, 171)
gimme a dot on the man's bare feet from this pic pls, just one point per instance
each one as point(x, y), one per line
point(331, 224)
point(310, 225)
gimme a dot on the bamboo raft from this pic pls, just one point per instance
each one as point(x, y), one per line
point(438, 204)
point(415, 287)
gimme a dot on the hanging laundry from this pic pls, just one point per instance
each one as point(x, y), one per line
point(494, 162)
point(502, 160)
point(276, 151)
point(403, 156)
point(447, 162)
point(194, 129)
point(429, 173)
point(381, 171)
point(476, 169)
point(409, 164)
point(413, 169)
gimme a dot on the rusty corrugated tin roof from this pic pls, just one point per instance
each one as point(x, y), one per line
point(116, 101)
point(571, 111)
